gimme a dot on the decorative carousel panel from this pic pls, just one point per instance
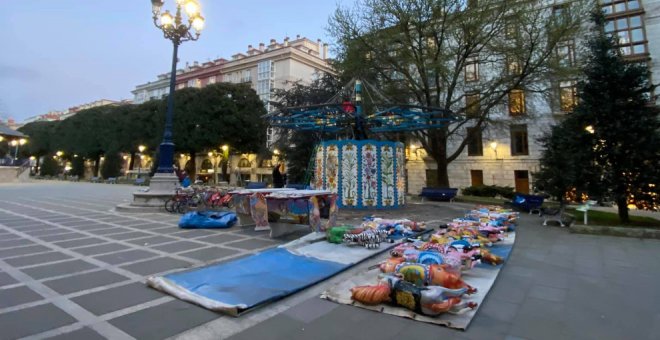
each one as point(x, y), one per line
point(369, 175)
point(319, 174)
point(400, 174)
point(349, 175)
point(387, 182)
point(331, 168)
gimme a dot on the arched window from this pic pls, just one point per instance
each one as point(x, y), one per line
point(206, 165)
point(244, 163)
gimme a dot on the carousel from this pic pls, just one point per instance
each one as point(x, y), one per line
point(365, 173)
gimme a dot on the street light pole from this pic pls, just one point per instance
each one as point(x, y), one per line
point(175, 30)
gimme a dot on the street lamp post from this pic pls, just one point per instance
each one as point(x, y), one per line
point(175, 29)
point(141, 149)
point(16, 143)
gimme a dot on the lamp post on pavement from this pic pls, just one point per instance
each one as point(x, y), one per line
point(141, 149)
point(16, 143)
point(178, 30)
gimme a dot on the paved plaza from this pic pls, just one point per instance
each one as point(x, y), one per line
point(72, 268)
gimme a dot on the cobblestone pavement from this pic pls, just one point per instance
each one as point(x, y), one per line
point(71, 268)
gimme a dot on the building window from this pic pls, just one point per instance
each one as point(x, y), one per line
point(519, 146)
point(566, 53)
point(628, 32)
point(475, 144)
point(477, 177)
point(517, 103)
point(567, 96)
point(511, 30)
point(513, 67)
point(472, 105)
point(472, 69)
point(619, 6)
point(247, 76)
point(212, 80)
point(244, 163)
point(270, 136)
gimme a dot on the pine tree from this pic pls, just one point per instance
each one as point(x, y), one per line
point(610, 144)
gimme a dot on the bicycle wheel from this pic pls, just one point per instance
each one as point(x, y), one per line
point(182, 207)
point(170, 205)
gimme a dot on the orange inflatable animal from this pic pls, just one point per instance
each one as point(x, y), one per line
point(440, 276)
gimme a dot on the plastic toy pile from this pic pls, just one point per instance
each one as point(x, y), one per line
point(374, 231)
point(426, 276)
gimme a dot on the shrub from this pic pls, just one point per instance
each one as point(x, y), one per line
point(49, 167)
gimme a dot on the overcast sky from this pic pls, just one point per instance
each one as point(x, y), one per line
point(61, 53)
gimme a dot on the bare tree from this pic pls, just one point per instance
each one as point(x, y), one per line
point(439, 52)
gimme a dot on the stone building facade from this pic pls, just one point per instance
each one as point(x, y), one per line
point(507, 153)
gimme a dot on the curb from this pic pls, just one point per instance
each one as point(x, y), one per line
point(647, 233)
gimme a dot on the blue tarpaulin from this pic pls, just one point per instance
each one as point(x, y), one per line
point(239, 285)
point(207, 219)
point(236, 286)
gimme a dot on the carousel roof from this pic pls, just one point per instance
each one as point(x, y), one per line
point(338, 117)
point(379, 115)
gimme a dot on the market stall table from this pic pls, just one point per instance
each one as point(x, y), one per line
point(301, 207)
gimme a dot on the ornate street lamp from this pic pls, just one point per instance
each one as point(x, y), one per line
point(178, 30)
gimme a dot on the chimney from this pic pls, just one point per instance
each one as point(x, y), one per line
point(286, 41)
point(319, 46)
point(273, 42)
point(325, 51)
point(261, 47)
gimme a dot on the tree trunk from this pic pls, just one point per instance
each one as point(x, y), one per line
point(97, 163)
point(192, 171)
point(442, 176)
point(622, 205)
point(438, 144)
point(131, 163)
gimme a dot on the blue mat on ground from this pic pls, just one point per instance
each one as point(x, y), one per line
point(238, 286)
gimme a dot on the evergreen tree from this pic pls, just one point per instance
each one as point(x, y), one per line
point(611, 143)
point(111, 166)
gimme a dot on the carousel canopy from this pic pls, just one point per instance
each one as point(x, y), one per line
point(380, 117)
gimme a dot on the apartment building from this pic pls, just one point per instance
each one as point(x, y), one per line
point(70, 112)
point(507, 153)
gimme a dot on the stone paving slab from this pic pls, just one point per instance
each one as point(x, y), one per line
point(57, 269)
point(157, 265)
point(164, 320)
point(37, 259)
point(4, 253)
point(17, 296)
point(33, 320)
point(100, 248)
point(117, 298)
point(126, 256)
point(82, 282)
point(81, 334)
